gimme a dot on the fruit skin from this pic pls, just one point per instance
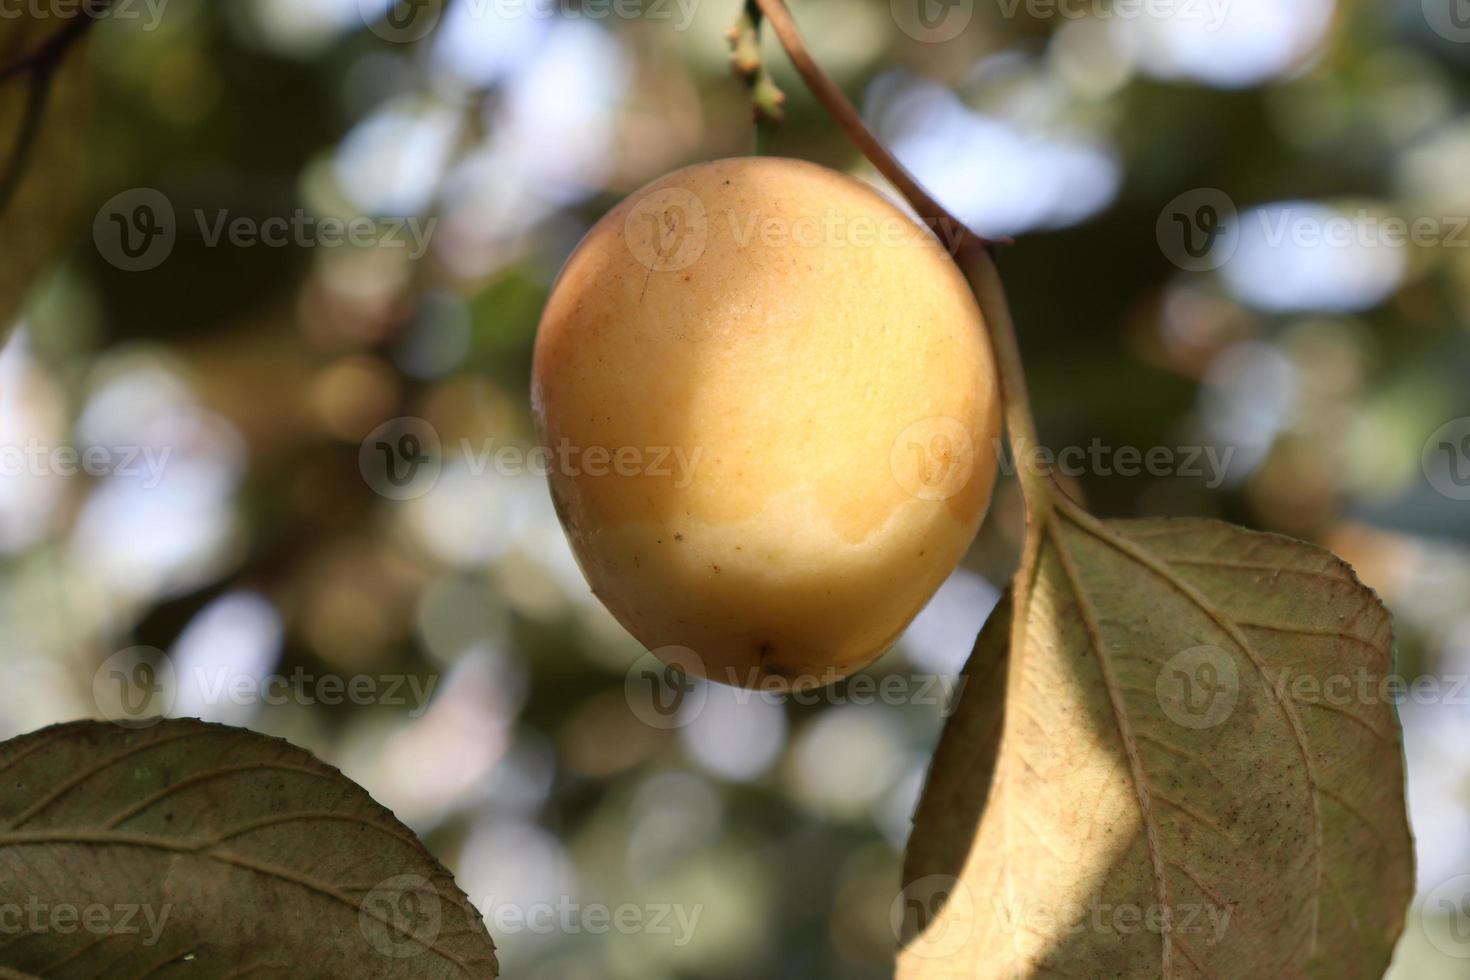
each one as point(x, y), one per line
point(821, 364)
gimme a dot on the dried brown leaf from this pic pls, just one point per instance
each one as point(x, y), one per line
point(1199, 773)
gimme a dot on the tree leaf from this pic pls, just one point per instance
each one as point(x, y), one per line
point(1199, 773)
point(207, 851)
point(48, 166)
point(970, 747)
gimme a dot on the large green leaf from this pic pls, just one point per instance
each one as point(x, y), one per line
point(200, 850)
point(1199, 770)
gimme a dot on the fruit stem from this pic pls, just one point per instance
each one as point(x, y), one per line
point(768, 102)
point(972, 254)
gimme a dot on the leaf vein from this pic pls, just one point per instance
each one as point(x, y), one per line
point(1141, 787)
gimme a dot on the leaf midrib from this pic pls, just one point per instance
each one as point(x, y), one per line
point(209, 849)
point(1085, 522)
point(1141, 789)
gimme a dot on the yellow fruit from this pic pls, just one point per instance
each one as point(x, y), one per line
point(770, 414)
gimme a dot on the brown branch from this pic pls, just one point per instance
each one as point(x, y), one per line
point(30, 130)
point(830, 96)
point(972, 254)
point(52, 51)
point(39, 68)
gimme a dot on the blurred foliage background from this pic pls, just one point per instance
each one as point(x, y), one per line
point(256, 373)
